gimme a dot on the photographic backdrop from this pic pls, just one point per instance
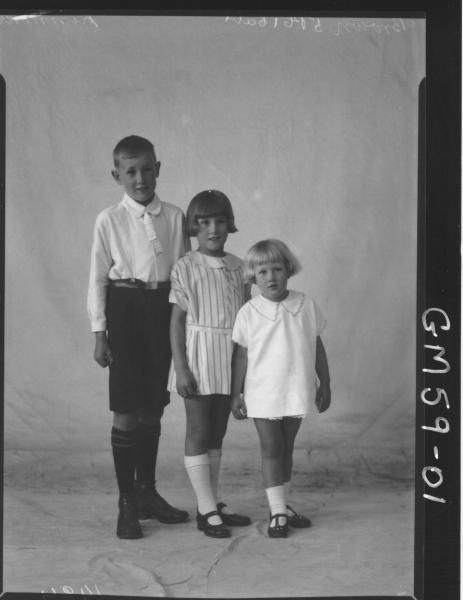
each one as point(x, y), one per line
point(310, 126)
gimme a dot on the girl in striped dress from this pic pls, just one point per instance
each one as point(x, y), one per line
point(207, 290)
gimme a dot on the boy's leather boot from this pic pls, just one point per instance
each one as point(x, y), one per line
point(151, 505)
point(128, 527)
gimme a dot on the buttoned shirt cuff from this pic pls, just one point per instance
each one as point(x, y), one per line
point(99, 325)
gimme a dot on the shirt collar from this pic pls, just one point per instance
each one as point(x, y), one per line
point(229, 261)
point(269, 309)
point(154, 207)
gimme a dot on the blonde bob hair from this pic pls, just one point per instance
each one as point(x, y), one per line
point(271, 251)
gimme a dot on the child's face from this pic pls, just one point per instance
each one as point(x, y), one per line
point(138, 176)
point(212, 235)
point(272, 279)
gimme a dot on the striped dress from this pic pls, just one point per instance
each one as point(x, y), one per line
point(211, 291)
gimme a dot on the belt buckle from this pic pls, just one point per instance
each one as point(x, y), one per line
point(137, 282)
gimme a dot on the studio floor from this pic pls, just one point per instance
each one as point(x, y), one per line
point(60, 513)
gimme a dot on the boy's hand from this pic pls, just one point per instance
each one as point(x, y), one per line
point(238, 407)
point(186, 384)
point(323, 397)
point(102, 353)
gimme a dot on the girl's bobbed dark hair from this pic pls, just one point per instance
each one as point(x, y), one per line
point(209, 203)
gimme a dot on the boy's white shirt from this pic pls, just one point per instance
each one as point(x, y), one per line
point(122, 250)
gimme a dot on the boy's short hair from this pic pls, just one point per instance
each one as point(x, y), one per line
point(271, 251)
point(132, 145)
point(210, 203)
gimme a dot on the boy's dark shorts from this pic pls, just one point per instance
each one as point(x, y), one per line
point(138, 335)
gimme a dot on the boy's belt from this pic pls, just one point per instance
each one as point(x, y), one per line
point(138, 283)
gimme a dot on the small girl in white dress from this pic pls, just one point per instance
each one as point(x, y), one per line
point(278, 356)
point(207, 290)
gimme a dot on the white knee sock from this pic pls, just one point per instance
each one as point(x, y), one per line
point(198, 471)
point(276, 499)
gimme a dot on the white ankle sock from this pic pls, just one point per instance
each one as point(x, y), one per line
point(198, 471)
point(276, 499)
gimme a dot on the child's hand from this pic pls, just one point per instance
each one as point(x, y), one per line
point(238, 407)
point(186, 384)
point(102, 353)
point(323, 397)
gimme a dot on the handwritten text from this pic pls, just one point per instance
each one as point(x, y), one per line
point(48, 20)
point(332, 26)
point(433, 319)
point(84, 591)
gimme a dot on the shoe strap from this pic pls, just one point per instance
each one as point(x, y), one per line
point(212, 513)
point(277, 516)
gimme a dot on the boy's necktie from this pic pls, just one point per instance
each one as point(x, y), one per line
point(151, 232)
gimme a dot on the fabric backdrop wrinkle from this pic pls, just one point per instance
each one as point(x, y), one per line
point(312, 135)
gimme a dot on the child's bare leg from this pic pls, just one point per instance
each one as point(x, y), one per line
point(290, 426)
point(196, 455)
point(272, 445)
point(197, 425)
point(219, 414)
point(125, 421)
point(218, 420)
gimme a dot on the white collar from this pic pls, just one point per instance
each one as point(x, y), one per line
point(154, 207)
point(229, 261)
point(269, 309)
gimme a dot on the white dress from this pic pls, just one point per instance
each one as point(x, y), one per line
point(280, 338)
point(211, 291)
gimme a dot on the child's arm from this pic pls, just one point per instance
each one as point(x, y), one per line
point(186, 383)
point(102, 353)
point(239, 368)
point(323, 397)
point(100, 264)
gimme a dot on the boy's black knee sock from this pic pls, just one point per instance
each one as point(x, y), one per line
point(123, 445)
point(147, 450)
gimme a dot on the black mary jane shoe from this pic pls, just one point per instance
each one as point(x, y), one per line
point(232, 519)
point(297, 521)
point(214, 531)
point(277, 530)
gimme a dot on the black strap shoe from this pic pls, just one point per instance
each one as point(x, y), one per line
point(296, 520)
point(277, 529)
point(151, 505)
point(215, 531)
point(232, 519)
point(128, 527)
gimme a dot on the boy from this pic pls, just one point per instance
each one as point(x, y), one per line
point(136, 242)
